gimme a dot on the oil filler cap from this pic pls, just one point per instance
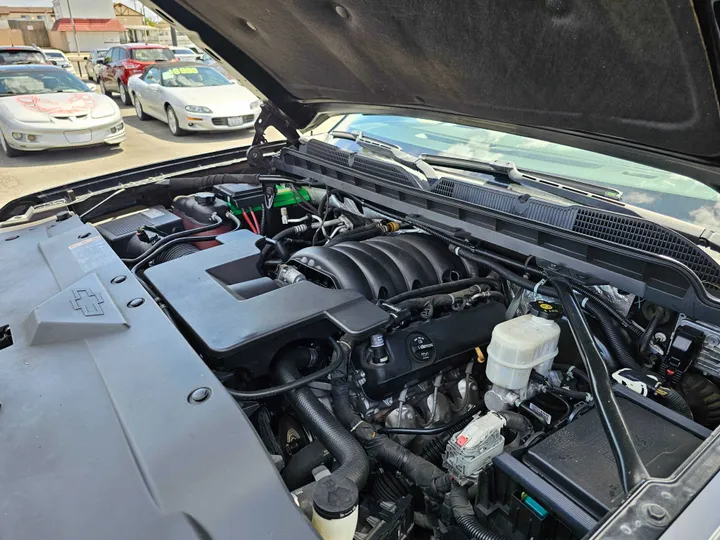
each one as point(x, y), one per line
point(545, 310)
point(420, 347)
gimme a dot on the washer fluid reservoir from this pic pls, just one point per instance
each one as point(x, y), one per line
point(522, 344)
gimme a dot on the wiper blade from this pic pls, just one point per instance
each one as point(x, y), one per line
point(390, 151)
point(573, 190)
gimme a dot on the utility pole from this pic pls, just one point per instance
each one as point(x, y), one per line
point(72, 22)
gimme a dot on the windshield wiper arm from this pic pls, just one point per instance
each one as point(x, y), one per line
point(573, 190)
point(390, 151)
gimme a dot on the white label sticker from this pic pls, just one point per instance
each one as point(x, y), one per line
point(542, 414)
point(152, 213)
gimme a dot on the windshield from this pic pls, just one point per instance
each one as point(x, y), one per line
point(52, 54)
point(192, 77)
point(101, 53)
point(21, 57)
point(152, 55)
point(39, 81)
point(183, 51)
point(660, 191)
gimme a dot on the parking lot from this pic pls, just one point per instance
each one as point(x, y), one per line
point(147, 142)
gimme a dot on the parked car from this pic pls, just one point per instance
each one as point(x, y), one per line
point(91, 63)
point(123, 61)
point(43, 106)
point(210, 61)
point(192, 97)
point(22, 55)
point(185, 54)
point(58, 58)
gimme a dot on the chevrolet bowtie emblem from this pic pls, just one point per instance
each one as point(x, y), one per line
point(88, 301)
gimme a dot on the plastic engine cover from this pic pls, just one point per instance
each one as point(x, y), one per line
point(100, 436)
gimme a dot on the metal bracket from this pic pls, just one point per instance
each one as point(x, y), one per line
point(272, 116)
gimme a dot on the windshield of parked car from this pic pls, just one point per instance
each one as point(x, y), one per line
point(183, 51)
point(21, 57)
point(53, 54)
point(152, 55)
point(39, 81)
point(667, 193)
point(101, 53)
point(192, 77)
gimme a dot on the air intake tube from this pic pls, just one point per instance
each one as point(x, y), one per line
point(354, 462)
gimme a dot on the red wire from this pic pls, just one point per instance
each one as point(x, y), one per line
point(257, 225)
point(250, 224)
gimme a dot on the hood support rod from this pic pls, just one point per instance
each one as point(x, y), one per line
point(631, 469)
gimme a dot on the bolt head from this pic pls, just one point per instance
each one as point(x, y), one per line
point(199, 395)
point(655, 512)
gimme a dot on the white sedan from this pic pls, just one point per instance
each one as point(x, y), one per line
point(58, 58)
point(43, 107)
point(192, 97)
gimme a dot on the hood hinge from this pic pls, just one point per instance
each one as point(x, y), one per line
point(272, 116)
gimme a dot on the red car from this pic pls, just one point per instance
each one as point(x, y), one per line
point(123, 61)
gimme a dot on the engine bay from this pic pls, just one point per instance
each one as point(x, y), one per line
point(471, 413)
point(405, 382)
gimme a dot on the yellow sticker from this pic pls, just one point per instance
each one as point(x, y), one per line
point(184, 70)
point(545, 306)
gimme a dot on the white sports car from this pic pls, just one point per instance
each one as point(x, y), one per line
point(192, 97)
point(43, 106)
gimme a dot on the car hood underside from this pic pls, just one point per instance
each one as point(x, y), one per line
point(638, 72)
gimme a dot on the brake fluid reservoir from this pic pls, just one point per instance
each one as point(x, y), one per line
point(522, 344)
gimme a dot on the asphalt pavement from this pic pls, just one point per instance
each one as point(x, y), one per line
point(147, 142)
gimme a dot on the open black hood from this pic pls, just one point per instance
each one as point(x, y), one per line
point(639, 72)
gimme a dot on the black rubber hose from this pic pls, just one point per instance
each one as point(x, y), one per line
point(511, 276)
point(646, 338)
point(246, 395)
point(576, 371)
point(353, 460)
point(276, 244)
point(429, 478)
point(703, 397)
point(612, 333)
point(266, 433)
point(175, 252)
point(435, 448)
point(573, 394)
point(170, 237)
point(204, 182)
point(298, 471)
point(516, 422)
point(429, 430)
point(356, 235)
point(465, 516)
point(440, 288)
point(674, 400)
point(448, 299)
point(598, 298)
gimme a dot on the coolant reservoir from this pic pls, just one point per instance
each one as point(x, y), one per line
point(335, 508)
point(522, 344)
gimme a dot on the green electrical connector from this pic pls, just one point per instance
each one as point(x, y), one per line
point(284, 197)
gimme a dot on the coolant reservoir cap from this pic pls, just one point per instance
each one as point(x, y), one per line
point(335, 497)
point(545, 310)
point(205, 198)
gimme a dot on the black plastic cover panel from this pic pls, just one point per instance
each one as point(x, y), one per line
point(97, 436)
point(578, 461)
point(202, 289)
